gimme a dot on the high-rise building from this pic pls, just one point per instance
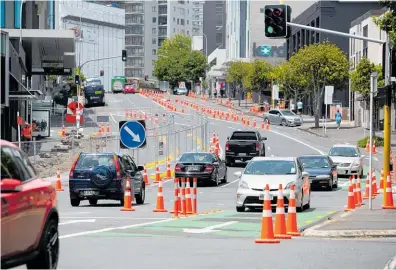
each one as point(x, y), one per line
point(214, 27)
point(148, 24)
point(198, 17)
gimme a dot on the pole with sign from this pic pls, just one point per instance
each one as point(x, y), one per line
point(328, 100)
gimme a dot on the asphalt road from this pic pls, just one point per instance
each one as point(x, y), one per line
point(104, 237)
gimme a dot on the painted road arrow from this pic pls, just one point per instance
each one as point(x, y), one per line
point(78, 221)
point(210, 228)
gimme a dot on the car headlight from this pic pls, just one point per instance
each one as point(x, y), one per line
point(356, 163)
point(243, 185)
point(289, 185)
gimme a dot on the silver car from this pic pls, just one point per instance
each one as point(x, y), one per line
point(348, 159)
point(273, 171)
point(180, 91)
point(283, 117)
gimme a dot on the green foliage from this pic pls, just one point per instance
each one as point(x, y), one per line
point(259, 75)
point(387, 22)
point(76, 71)
point(289, 80)
point(204, 85)
point(62, 96)
point(319, 65)
point(360, 77)
point(237, 72)
point(379, 141)
point(177, 63)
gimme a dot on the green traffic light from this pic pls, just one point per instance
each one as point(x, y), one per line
point(270, 29)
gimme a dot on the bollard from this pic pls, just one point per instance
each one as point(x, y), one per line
point(195, 198)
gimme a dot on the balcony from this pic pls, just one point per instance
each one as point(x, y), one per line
point(162, 32)
point(162, 21)
point(162, 2)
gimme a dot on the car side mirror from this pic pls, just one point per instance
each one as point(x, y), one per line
point(264, 138)
point(362, 156)
point(238, 174)
point(334, 166)
point(305, 174)
point(10, 185)
point(216, 163)
point(140, 168)
point(228, 138)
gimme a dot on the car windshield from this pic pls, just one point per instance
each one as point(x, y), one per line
point(94, 83)
point(270, 167)
point(196, 158)
point(343, 152)
point(92, 161)
point(242, 136)
point(315, 162)
point(287, 113)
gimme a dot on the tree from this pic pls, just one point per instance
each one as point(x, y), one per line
point(387, 22)
point(360, 77)
point(61, 97)
point(259, 75)
point(176, 62)
point(235, 74)
point(319, 65)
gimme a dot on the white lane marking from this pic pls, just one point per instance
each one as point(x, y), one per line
point(114, 228)
point(269, 148)
point(229, 183)
point(301, 142)
point(132, 218)
point(112, 118)
point(210, 228)
point(78, 221)
point(231, 128)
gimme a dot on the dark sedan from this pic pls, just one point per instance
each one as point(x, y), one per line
point(206, 167)
point(322, 171)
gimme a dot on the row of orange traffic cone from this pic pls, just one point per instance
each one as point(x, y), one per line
point(102, 129)
point(373, 147)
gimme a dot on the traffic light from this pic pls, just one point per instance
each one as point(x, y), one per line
point(145, 77)
point(276, 19)
point(393, 63)
point(101, 72)
point(77, 79)
point(124, 55)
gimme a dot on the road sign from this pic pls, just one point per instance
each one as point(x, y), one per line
point(182, 85)
point(72, 111)
point(132, 134)
point(328, 98)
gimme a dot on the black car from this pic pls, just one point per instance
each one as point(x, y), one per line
point(322, 171)
point(206, 167)
point(97, 176)
point(94, 93)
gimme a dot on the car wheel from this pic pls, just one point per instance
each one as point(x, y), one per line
point(284, 123)
point(330, 185)
point(335, 185)
point(217, 180)
point(93, 201)
point(361, 173)
point(308, 205)
point(225, 177)
point(122, 202)
point(48, 249)
point(229, 162)
point(141, 196)
point(267, 120)
point(301, 207)
point(74, 202)
point(240, 208)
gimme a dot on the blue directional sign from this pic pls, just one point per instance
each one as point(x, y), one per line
point(132, 134)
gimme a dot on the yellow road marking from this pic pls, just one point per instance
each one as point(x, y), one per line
point(319, 217)
point(331, 212)
point(308, 221)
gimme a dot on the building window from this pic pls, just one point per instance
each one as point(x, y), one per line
point(219, 38)
point(188, 22)
point(177, 21)
point(154, 19)
point(154, 8)
point(153, 31)
point(154, 52)
point(219, 19)
point(181, 21)
point(153, 41)
point(365, 43)
point(153, 62)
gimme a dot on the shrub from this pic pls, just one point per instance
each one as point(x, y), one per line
point(379, 141)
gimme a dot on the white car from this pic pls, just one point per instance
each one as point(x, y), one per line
point(348, 159)
point(273, 171)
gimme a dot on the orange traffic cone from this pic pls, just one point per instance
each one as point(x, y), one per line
point(268, 126)
point(382, 179)
point(367, 145)
point(194, 197)
point(63, 134)
point(267, 230)
point(291, 223)
point(374, 183)
point(188, 197)
point(157, 174)
point(280, 218)
point(176, 202)
point(359, 191)
point(127, 197)
point(145, 177)
point(160, 207)
point(388, 196)
point(168, 169)
point(355, 195)
point(108, 129)
point(374, 151)
point(351, 198)
point(367, 190)
point(58, 186)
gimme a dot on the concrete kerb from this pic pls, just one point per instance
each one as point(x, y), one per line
point(391, 264)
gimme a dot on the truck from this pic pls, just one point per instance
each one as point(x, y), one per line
point(117, 84)
point(243, 146)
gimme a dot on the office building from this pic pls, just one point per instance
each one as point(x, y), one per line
point(32, 47)
point(148, 24)
point(99, 33)
point(198, 17)
point(214, 26)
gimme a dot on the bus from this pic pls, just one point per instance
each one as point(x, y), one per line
point(117, 84)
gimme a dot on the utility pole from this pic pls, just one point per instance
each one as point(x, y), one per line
point(387, 113)
point(373, 90)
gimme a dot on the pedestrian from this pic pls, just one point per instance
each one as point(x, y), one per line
point(215, 92)
point(338, 117)
point(26, 136)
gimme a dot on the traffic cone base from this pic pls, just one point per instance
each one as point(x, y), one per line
point(127, 209)
point(389, 207)
point(160, 210)
point(267, 241)
point(294, 234)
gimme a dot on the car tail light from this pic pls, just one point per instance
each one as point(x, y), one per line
point(208, 168)
point(257, 147)
point(73, 166)
point(178, 168)
point(227, 147)
point(117, 166)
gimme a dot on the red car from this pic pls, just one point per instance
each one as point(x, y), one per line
point(129, 89)
point(29, 215)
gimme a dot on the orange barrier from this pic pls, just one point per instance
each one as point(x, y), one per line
point(63, 133)
point(127, 197)
point(58, 186)
point(388, 196)
point(291, 224)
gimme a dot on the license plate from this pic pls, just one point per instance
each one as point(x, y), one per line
point(98, 92)
point(89, 193)
point(242, 154)
point(261, 197)
point(341, 172)
point(193, 168)
point(324, 182)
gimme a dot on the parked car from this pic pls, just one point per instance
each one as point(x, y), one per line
point(273, 171)
point(94, 93)
point(283, 117)
point(29, 215)
point(206, 167)
point(97, 176)
point(348, 159)
point(180, 91)
point(322, 171)
point(129, 89)
point(243, 146)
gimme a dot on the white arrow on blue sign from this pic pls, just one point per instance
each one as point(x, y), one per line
point(132, 134)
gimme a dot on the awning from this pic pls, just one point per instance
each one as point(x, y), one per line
point(53, 51)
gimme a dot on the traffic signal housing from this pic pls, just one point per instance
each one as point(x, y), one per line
point(124, 55)
point(77, 79)
point(276, 19)
point(101, 72)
